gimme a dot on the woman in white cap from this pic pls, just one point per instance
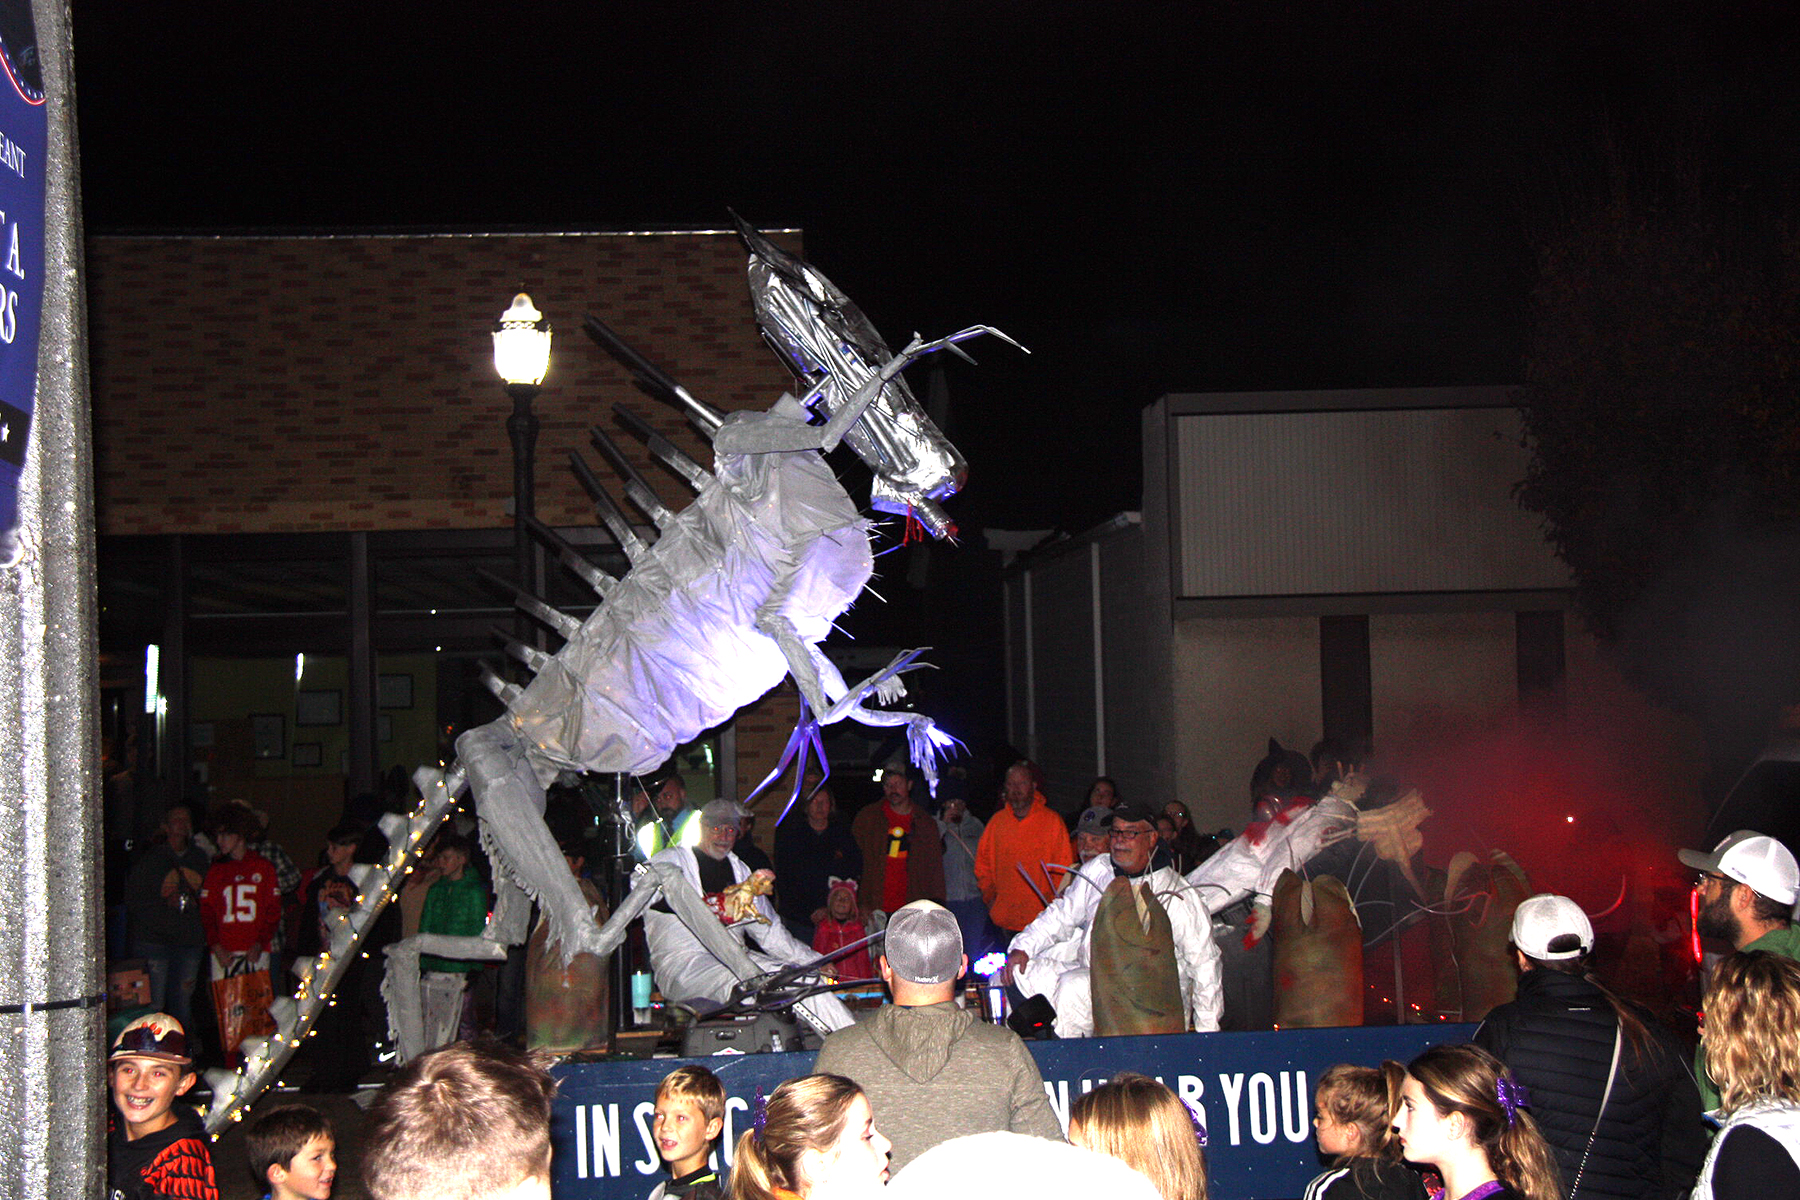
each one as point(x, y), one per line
point(1610, 1090)
point(1752, 1011)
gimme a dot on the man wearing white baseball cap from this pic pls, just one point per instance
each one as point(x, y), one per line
point(1609, 1088)
point(1747, 888)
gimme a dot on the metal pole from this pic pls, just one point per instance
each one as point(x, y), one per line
point(172, 752)
point(522, 428)
point(51, 997)
point(364, 769)
point(618, 885)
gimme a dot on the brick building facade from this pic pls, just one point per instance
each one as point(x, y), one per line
point(279, 397)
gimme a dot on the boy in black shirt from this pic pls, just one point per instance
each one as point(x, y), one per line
point(154, 1149)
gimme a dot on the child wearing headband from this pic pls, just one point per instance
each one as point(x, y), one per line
point(1463, 1113)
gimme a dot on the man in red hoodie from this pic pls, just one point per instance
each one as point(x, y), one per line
point(1024, 833)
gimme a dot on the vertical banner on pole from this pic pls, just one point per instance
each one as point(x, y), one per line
point(52, 993)
point(22, 155)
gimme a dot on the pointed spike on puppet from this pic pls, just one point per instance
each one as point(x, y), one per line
point(286, 1013)
point(573, 559)
point(702, 415)
point(611, 515)
point(961, 353)
point(527, 603)
point(555, 618)
point(530, 655)
point(427, 780)
point(651, 378)
point(660, 515)
point(696, 475)
point(221, 1082)
point(637, 488)
point(505, 692)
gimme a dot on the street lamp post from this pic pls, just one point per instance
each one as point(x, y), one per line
point(522, 358)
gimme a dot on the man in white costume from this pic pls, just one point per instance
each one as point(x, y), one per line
point(1051, 956)
point(684, 967)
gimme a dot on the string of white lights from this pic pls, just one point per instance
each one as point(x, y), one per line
point(378, 884)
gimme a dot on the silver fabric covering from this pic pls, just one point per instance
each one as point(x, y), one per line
point(400, 985)
point(52, 1058)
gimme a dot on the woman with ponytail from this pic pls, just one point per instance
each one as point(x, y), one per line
point(813, 1139)
point(1463, 1114)
point(1612, 1092)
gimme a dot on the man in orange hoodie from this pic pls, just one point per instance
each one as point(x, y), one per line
point(1025, 832)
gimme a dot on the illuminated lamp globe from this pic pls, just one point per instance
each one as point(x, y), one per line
point(522, 343)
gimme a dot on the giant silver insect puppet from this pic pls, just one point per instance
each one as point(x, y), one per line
point(733, 595)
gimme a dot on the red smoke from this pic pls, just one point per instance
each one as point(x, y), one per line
point(1590, 804)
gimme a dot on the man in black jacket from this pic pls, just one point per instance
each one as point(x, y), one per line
point(162, 898)
point(1576, 1048)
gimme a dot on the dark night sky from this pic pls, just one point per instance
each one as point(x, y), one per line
point(1154, 198)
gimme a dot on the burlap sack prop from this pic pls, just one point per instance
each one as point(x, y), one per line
point(1131, 958)
point(566, 1005)
point(1479, 899)
point(1318, 954)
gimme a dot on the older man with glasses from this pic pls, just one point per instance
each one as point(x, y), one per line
point(1101, 952)
point(685, 966)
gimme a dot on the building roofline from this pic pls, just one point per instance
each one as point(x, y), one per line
point(1053, 549)
point(397, 233)
point(1340, 400)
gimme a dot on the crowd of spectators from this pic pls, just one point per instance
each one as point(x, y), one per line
point(221, 892)
point(1566, 1090)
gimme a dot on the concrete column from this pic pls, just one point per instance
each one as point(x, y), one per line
point(50, 951)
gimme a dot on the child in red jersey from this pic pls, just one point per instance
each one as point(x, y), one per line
point(842, 926)
point(155, 1150)
point(240, 907)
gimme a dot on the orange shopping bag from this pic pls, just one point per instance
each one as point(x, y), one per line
point(241, 1002)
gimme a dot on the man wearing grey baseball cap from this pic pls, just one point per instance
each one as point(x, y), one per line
point(930, 1068)
point(1747, 886)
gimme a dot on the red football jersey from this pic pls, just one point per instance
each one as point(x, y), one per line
point(239, 903)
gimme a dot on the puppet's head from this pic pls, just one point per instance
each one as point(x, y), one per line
point(833, 350)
